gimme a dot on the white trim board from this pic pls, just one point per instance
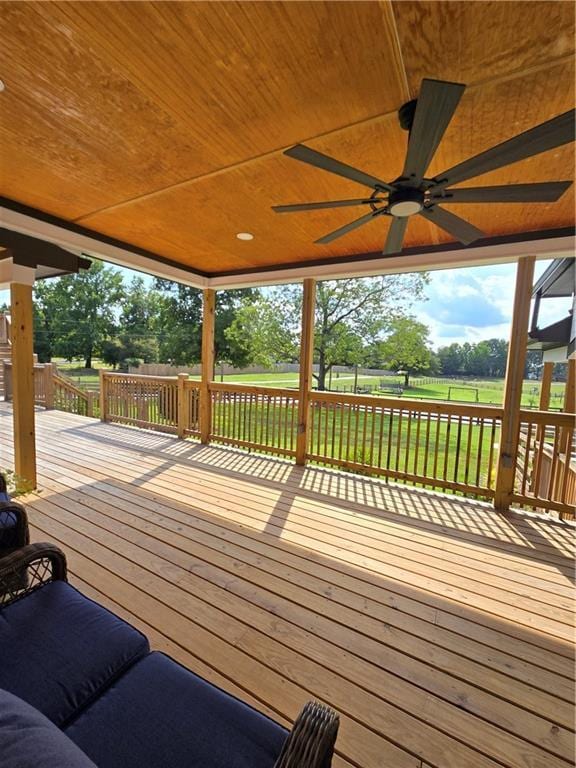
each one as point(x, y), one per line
point(545, 248)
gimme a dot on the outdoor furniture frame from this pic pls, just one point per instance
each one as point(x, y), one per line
point(310, 743)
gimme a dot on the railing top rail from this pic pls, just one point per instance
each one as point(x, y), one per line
point(405, 404)
point(548, 418)
point(65, 384)
point(139, 377)
point(250, 389)
point(37, 366)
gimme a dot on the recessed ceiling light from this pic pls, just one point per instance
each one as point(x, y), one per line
point(245, 236)
point(2, 86)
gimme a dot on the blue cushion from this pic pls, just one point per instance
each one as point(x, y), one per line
point(30, 740)
point(9, 528)
point(159, 714)
point(59, 649)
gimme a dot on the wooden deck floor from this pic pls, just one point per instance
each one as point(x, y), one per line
point(439, 630)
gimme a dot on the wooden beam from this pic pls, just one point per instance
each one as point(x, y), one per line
point(208, 323)
point(513, 384)
point(306, 360)
point(22, 335)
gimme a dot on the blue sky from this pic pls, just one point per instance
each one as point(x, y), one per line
point(476, 303)
point(468, 304)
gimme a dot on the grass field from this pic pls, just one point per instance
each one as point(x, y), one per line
point(487, 391)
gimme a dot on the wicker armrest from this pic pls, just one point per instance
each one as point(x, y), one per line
point(13, 537)
point(28, 568)
point(310, 743)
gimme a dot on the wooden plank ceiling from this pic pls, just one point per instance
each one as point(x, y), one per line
point(163, 124)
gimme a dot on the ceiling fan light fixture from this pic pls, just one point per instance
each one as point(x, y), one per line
point(405, 202)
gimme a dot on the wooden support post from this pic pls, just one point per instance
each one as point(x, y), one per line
point(570, 389)
point(544, 404)
point(546, 386)
point(183, 403)
point(103, 397)
point(48, 386)
point(509, 436)
point(22, 335)
point(208, 320)
point(90, 404)
point(306, 361)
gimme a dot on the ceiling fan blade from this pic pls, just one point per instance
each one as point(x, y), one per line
point(545, 192)
point(553, 133)
point(435, 107)
point(459, 228)
point(346, 228)
point(312, 157)
point(327, 204)
point(395, 235)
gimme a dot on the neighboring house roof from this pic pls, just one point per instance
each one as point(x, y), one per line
point(557, 281)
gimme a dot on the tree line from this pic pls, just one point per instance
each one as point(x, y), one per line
point(358, 322)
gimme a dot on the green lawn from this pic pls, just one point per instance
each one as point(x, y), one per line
point(486, 391)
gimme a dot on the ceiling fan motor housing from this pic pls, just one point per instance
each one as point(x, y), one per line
point(405, 202)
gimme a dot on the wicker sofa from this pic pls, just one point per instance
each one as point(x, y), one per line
point(102, 695)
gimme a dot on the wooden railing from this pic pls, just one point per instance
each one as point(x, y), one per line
point(66, 396)
point(41, 383)
point(444, 446)
point(545, 468)
point(438, 445)
point(162, 403)
point(259, 418)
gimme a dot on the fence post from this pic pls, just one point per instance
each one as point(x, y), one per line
point(510, 429)
point(48, 386)
point(306, 361)
point(103, 396)
point(183, 400)
point(208, 317)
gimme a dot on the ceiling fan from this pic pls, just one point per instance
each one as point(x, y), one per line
point(426, 119)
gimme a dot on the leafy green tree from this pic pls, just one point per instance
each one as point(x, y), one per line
point(262, 333)
point(138, 322)
point(47, 309)
point(350, 314)
point(179, 324)
point(87, 303)
point(452, 359)
point(407, 347)
point(361, 308)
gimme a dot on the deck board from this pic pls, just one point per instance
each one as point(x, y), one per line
point(441, 631)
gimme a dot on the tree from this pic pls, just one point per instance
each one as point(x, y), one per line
point(179, 324)
point(407, 347)
point(360, 308)
point(138, 322)
point(47, 309)
point(261, 333)
point(451, 359)
point(85, 314)
point(350, 314)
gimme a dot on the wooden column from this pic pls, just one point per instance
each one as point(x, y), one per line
point(513, 384)
point(208, 320)
point(545, 389)
point(22, 338)
point(306, 360)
